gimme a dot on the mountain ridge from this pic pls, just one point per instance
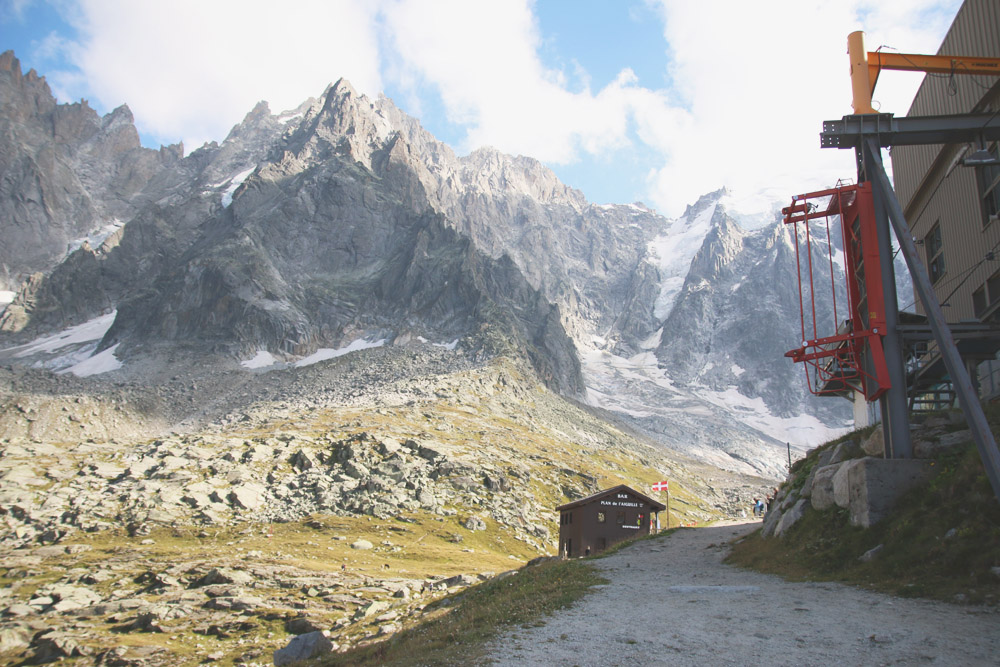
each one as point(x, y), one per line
point(344, 222)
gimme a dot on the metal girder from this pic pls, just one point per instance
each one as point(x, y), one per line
point(887, 130)
point(960, 330)
point(967, 396)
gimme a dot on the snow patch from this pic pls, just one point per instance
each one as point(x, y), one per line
point(606, 373)
point(96, 237)
point(804, 430)
point(262, 359)
point(92, 330)
point(72, 350)
point(235, 182)
point(448, 346)
point(754, 211)
point(673, 253)
point(653, 341)
point(326, 353)
point(6, 296)
point(284, 120)
point(99, 363)
point(736, 370)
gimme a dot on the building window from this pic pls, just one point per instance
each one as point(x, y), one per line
point(988, 176)
point(987, 296)
point(979, 301)
point(620, 520)
point(993, 288)
point(600, 517)
point(935, 253)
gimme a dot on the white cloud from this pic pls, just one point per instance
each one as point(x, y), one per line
point(758, 80)
point(483, 60)
point(751, 83)
point(190, 69)
point(52, 48)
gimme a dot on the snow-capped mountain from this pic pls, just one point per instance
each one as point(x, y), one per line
point(342, 225)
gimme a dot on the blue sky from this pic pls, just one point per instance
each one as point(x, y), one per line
point(657, 101)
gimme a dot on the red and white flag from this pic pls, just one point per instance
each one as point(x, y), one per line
point(661, 486)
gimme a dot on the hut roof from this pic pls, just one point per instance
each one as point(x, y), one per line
point(654, 504)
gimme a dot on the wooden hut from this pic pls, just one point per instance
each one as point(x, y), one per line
point(592, 524)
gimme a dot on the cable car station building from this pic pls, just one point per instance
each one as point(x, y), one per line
point(592, 524)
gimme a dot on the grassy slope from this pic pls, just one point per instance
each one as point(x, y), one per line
point(940, 542)
point(454, 631)
point(562, 448)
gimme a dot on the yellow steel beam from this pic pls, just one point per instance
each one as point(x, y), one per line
point(866, 66)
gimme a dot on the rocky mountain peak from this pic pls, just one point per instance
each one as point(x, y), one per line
point(342, 122)
point(22, 96)
point(710, 199)
point(71, 172)
point(493, 172)
point(721, 246)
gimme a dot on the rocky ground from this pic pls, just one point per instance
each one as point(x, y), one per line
point(183, 516)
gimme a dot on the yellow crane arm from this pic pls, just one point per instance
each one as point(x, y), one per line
point(866, 66)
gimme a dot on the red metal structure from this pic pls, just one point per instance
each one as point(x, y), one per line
point(850, 357)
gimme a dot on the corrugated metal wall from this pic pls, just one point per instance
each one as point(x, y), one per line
point(954, 200)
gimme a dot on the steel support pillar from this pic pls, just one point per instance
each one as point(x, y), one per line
point(967, 396)
point(895, 409)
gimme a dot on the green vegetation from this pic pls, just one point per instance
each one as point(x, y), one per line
point(547, 450)
point(454, 630)
point(940, 542)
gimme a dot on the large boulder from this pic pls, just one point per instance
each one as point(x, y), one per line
point(249, 496)
point(849, 449)
point(14, 637)
point(474, 523)
point(823, 459)
point(874, 445)
point(771, 521)
point(790, 518)
point(842, 484)
point(822, 488)
point(225, 575)
point(876, 484)
point(304, 647)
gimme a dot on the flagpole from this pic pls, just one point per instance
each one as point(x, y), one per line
point(664, 486)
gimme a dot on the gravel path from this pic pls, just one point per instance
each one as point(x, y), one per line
point(673, 602)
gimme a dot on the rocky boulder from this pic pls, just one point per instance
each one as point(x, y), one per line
point(822, 493)
point(791, 517)
point(309, 646)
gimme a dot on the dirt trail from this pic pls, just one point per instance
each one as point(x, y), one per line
point(673, 602)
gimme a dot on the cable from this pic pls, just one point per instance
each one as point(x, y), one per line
point(989, 256)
